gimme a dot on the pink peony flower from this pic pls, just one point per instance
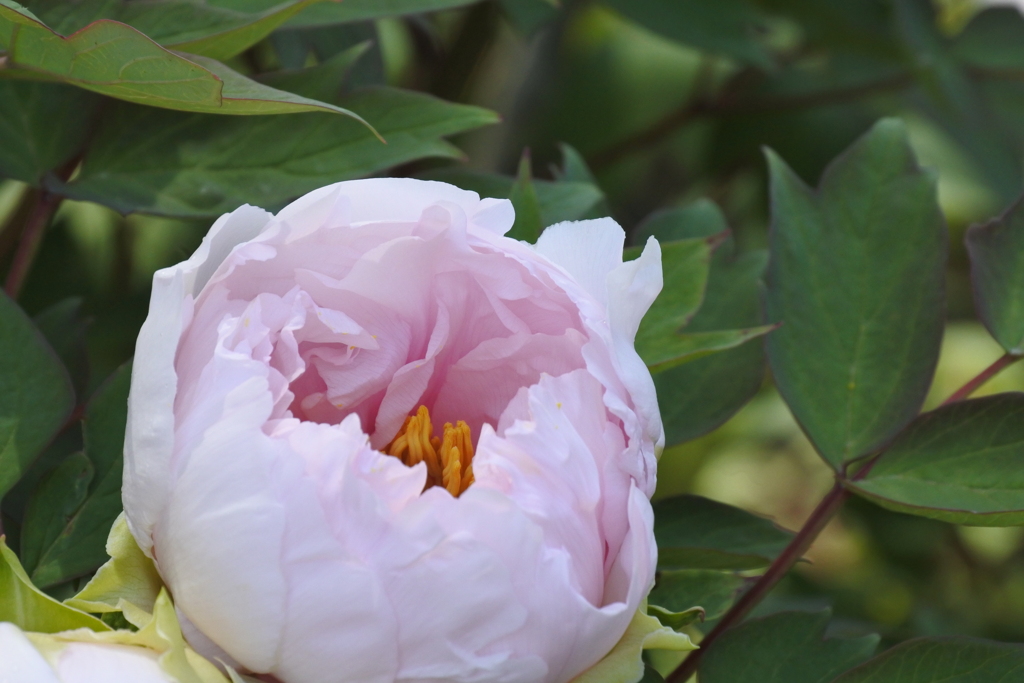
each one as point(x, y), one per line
point(289, 466)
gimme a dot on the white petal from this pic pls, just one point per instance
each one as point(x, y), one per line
point(20, 662)
point(587, 250)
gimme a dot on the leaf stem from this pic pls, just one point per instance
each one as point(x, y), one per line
point(1004, 361)
point(45, 204)
point(817, 520)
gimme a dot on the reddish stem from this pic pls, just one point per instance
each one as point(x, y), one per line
point(818, 519)
point(821, 515)
point(45, 205)
point(985, 375)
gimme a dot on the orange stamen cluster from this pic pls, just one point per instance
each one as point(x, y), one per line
point(449, 459)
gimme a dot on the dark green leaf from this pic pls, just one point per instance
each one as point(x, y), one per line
point(201, 166)
point(697, 533)
point(74, 543)
point(524, 198)
point(685, 265)
point(702, 394)
point(726, 27)
point(962, 463)
point(992, 39)
point(53, 504)
point(996, 249)
point(670, 352)
point(42, 127)
point(321, 82)
point(114, 59)
point(559, 201)
point(651, 675)
point(37, 396)
point(364, 10)
point(857, 281)
point(219, 30)
point(64, 326)
point(942, 660)
point(788, 647)
point(680, 589)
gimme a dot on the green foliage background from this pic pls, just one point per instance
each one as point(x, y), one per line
point(701, 122)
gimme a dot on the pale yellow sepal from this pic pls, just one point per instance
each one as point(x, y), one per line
point(161, 634)
point(127, 583)
point(623, 664)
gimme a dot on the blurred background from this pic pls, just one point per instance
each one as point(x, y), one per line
point(670, 103)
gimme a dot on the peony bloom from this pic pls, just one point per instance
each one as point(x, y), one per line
point(371, 439)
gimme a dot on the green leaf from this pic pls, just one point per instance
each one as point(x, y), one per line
point(788, 647)
point(320, 82)
point(942, 660)
point(42, 127)
point(996, 250)
point(202, 166)
point(56, 500)
point(857, 281)
point(364, 10)
point(962, 463)
point(72, 543)
point(685, 265)
point(219, 30)
point(114, 59)
point(676, 620)
point(700, 395)
point(698, 533)
point(528, 224)
point(992, 39)
point(559, 201)
point(37, 396)
point(65, 326)
point(29, 608)
point(725, 27)
point(678, 590)
point(684, 347)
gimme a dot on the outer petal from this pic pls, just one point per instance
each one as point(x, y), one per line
point(19, 661)
point(149, 438)
point(587, 250)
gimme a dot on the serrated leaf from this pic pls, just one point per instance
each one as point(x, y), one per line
point(42, 127)
point(350, 11)
point(559, 201)
point(76, 544)
point(788, 647)
point(523, 195)
point(700, 395)
point(195, 166)
point(30, 609)
point(698, 533)
point(857, 280)
point(996, 251)
point(962, 463)
point(942, 660)
point(678, 590)
point(37, 396)
point(725, 27)
point(117, 60)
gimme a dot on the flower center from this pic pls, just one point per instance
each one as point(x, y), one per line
point(449, 458)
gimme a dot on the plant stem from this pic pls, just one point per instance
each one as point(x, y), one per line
point(985, 375)
point(741, 105)
point(45, 204)
point(818, 519)
point(821, 515)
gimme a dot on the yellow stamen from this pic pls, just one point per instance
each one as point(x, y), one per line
point(449, 459)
